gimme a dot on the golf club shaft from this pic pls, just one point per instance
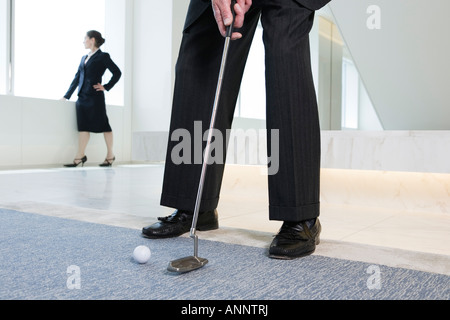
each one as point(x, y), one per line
point(210, 135)
point(207, 152)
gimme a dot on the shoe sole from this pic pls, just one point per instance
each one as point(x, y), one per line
point(278, 257)
point(201, 229)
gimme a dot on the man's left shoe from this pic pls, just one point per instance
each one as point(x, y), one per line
point(296, 240)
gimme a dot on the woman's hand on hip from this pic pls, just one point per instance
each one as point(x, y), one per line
point(99, 87)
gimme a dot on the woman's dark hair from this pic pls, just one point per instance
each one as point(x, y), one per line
point(99, 41)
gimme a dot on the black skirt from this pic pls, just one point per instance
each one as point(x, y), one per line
point(91, 113)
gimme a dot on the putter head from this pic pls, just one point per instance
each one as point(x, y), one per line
point(187, 264)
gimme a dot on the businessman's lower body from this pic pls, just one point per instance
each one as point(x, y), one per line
point(294, 190)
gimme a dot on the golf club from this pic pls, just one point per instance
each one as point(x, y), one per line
point(194, 262)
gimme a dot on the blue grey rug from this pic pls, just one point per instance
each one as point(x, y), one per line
point(47, 258)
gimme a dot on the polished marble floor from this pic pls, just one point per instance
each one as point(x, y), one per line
point(127, 195)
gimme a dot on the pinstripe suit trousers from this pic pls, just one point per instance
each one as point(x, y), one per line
point(294, 191)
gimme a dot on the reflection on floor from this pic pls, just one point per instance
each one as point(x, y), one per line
point(128, 196)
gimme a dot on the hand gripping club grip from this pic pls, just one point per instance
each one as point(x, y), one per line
point(230, 28)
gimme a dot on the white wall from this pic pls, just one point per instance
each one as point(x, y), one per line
point(329, 83)
point(404, 65)
point(152, 65)
point(158, 27)
point(411, 151)
point(179, 11)
point(115, 35)
point(3, 46)
point(368, 119)
point(37, 132)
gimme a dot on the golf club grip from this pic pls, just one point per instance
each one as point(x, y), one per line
point(230, 28)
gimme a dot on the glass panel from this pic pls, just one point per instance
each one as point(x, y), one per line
point(48, 43)
point(343, 100)
point(252, 99)
point(4, 47)
point(350, 95)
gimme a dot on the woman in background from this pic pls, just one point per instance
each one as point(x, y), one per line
point(90, 106)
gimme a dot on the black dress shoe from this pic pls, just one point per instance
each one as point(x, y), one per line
point(296, 240)
point(179, 223)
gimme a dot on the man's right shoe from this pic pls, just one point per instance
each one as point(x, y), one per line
point(296, 240)
point(179, 223)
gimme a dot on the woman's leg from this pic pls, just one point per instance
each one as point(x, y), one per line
point(109, 139)
point(83, 141)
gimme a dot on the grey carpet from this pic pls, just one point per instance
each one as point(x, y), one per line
point(37, 250)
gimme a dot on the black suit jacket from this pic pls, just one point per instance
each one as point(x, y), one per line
point(197, 7)
point(91, 73)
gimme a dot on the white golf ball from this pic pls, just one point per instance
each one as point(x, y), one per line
point(142, 254)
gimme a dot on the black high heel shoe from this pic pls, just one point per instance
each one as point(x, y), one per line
point(76, 164)
point(108, 162)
